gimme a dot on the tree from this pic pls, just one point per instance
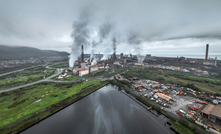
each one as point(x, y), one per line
point(183, 122)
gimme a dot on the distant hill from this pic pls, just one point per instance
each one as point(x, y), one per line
point(20, 53)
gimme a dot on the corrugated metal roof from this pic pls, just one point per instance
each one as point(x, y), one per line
point(217, 111)
point(77, 69)
point(163, 95)
point(208, 109)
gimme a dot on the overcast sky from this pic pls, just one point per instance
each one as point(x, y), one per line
point(172, 27)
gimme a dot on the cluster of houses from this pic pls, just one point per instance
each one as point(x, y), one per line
point(15, 63)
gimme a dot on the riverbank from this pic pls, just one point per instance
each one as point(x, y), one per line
point(41, 114)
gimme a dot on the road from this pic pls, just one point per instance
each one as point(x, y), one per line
point(16, 71)
point(59, 71)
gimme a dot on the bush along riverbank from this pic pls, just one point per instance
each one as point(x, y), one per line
point(180, 125)
point(36, 117)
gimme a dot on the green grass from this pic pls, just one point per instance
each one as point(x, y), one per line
point(179, 128)
point(60, 65)
point(212, 88)
point(23, 77)
point(14, 105)
point(72, 78)
point(6, 70)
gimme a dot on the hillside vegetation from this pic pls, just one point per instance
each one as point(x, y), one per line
point(20, 53)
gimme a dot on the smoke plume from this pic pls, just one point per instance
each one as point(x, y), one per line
point(104, 31)
point(80, 34)
point(106, 55)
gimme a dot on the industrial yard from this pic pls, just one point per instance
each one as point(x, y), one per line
point(177, 100)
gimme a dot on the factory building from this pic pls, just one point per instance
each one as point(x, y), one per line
point(76, 70)
point(212, 112)
point(148, 57)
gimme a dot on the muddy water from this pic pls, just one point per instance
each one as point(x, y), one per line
point(105, 111)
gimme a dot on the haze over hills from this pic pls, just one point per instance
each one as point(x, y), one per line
point(21, 52)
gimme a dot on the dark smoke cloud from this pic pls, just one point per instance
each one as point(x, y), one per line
point(168, 26)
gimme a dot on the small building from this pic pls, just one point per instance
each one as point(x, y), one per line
point(212, 112)
point(152, 82)
point(163, 96)
point(176, 68)
point(138, 64)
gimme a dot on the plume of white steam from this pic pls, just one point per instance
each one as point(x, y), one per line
point(80, 34)
point(105, 55)
point(94, 62)
point(140, 58)
point(92, 54)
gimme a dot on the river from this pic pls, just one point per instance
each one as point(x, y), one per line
point(105, 111)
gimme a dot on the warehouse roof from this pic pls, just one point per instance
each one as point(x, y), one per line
point(163, 95)
point(78, 69)
point(216, 111)
point(208, 109)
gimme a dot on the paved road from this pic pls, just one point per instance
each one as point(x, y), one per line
point(25, 69)
point(16, 71)
point(59, 71)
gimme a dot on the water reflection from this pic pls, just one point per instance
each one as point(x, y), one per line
point(104, 111)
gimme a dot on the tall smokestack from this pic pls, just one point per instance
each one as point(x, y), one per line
point(207, 49)
point(82, 56)
point(215, 61)
point(114, 56)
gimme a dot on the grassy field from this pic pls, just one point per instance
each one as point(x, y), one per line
point(207, 87)
point(5, 70)
point(210, 79)
point(60, 65)
point(24, 77)
point(72, 78)
point(21, 103)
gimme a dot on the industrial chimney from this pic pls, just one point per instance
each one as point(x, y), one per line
point(82, 56)
point(114, 56)
point(207, 49)
point(215, 62)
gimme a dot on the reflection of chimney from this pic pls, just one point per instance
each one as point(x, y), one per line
point(207, 49)
point(82, 56)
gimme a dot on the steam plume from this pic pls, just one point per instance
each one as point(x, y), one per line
point(79, 35)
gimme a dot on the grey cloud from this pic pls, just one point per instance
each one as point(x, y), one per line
point(135, 21)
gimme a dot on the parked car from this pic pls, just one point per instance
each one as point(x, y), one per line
point(183, 112)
